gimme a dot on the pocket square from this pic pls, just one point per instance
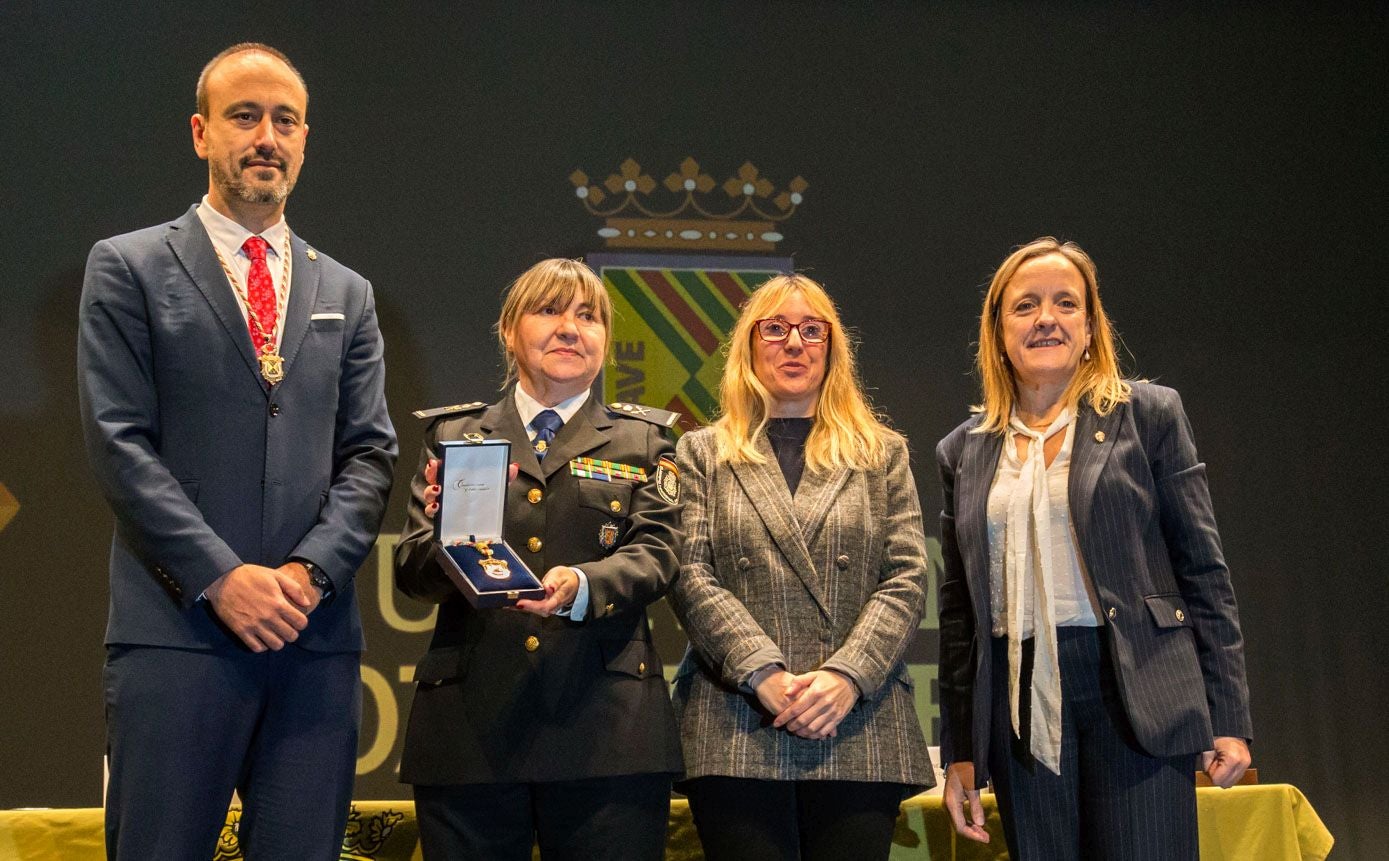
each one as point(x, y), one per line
point(328, 316)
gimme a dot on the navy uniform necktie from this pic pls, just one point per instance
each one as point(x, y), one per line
point(546, 423)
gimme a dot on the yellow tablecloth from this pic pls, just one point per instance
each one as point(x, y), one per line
point(1271, 823)
point(1274, 822)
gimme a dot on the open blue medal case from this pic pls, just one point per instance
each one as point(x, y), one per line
point(472, 509)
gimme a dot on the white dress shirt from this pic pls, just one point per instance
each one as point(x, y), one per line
point(227, 237)
point(1036, 583)
point(1070, 595)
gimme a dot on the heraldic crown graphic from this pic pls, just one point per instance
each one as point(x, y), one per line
point(742, 215)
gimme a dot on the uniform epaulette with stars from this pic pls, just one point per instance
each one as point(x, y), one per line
point(449, 410)
point(664, 418)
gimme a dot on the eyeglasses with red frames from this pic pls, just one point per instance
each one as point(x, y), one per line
point(774, 329)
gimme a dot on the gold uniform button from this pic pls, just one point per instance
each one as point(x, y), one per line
point(615, 506)
point(1099, 436)
point(534, 544)
point(641, 668)
point(532, 643)
point(1181, 617)
point(534, 495)
point(1113, 612)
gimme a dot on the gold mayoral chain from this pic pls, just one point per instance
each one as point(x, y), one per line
point(272, 364)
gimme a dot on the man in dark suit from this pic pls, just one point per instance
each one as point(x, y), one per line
point(232, 396)
point(550, 724)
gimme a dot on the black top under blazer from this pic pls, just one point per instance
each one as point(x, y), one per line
point(1142, 515)
point(590, 699)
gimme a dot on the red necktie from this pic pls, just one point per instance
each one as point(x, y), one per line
point(260, 292)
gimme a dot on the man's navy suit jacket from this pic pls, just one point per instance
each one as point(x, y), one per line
point(205, 465)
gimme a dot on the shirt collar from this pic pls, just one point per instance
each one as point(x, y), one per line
point(227, 235)
point(529, 407)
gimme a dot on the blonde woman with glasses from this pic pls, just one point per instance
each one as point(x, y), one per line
point(801, 586)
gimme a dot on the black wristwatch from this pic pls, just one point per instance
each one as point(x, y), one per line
point(317, 578)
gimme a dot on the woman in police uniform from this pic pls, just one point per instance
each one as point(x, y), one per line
point(552, 724)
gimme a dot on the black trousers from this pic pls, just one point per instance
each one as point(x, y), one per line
point(1111, 800)
point(185, 727)
point(795, 820)
point(617, 818)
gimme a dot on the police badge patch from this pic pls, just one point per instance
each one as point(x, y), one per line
point(607, 535)
point(668, 480)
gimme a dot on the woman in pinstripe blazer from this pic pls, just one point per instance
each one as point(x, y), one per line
point(801, 586)
point(1090, 644)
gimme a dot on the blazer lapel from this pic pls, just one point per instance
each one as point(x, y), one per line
point(974, 478)
point(190, 244)
point(502, 421)
point(766, 489)
point(813, 499)
point(1094, 440)
point(585, 431)
point(303, 295)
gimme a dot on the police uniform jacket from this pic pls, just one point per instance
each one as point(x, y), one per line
point(507, 696)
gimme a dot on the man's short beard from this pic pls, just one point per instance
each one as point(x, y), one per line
point(257, 194)
point(276, 193)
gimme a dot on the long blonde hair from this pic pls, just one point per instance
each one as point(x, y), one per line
point(555, 281)
point(1097, 378)
point(846, 432)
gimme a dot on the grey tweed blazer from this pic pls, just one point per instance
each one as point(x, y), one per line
point(1146, 531)
point(833, 579)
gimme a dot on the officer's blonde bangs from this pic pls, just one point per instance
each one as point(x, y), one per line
point(552, 283)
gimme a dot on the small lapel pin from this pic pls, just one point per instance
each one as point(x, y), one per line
point(1099, 436)
point(312, 255)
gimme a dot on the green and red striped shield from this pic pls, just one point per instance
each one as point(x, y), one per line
point(672, 314)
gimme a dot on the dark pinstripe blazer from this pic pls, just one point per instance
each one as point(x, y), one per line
point(833, 578)
point(1146, 532)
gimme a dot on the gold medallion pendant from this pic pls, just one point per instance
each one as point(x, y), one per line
point(272, 365)
point(497, 569)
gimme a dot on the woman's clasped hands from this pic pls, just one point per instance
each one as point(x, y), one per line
point(809, 705)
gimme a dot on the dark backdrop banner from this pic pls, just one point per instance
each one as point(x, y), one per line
point(1225, 167)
